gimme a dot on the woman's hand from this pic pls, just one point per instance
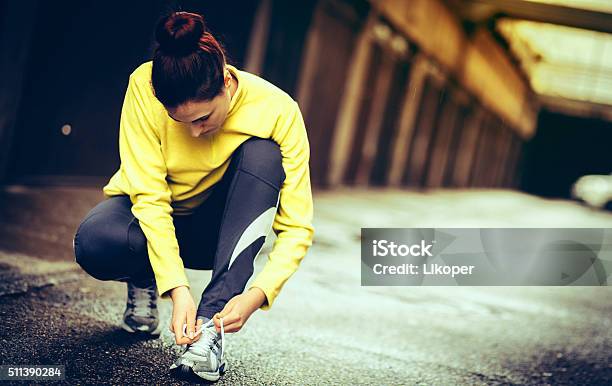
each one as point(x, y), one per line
point(183, 312)
point(238, 310)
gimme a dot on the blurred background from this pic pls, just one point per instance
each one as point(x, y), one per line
point(420, 113)
point(419, 94)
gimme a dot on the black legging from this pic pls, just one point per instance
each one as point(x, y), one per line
point(110, 245)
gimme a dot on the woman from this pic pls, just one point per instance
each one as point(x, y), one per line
point(211, 158)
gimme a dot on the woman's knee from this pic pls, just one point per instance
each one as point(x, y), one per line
point(262, 158)
point(100, 245)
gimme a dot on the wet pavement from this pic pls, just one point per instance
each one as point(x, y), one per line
point(324, 328)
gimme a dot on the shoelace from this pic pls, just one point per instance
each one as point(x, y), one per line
point(141, 300)
point(204, 327)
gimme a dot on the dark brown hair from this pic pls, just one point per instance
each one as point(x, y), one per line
point(188, 61)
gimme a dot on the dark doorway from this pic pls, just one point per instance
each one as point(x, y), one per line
point(289, 24)
point(564, 149)
point(81, 56)
point(80, 59)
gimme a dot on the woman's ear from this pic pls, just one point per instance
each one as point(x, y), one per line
point(227, 78)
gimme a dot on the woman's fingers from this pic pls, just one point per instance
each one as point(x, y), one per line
point(177, 326)
point(191, 320)
point(178, 330)
point(227, 311)
point(183, 317)
point(233, 327)
point(230, 319)
point(229, 307)
point(198, 325)
point(217, 318)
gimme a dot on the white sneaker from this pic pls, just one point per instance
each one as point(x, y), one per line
point(141, 315)
point(203, 358)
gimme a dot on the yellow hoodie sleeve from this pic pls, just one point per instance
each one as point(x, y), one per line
point(144, 170)
point(293, 221)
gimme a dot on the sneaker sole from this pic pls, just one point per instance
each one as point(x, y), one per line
point(186, 372)
point(155, 332)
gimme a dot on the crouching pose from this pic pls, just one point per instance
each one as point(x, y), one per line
point(212, 159)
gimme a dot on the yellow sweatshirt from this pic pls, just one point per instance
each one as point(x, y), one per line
point(165, 170)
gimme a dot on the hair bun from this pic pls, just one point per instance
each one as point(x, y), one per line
point(179, 33)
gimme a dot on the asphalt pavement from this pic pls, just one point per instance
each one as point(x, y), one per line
point(325, 328)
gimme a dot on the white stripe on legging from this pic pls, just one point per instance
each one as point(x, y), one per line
point(259, 227)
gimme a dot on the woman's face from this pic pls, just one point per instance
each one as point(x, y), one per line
point(205, 117)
